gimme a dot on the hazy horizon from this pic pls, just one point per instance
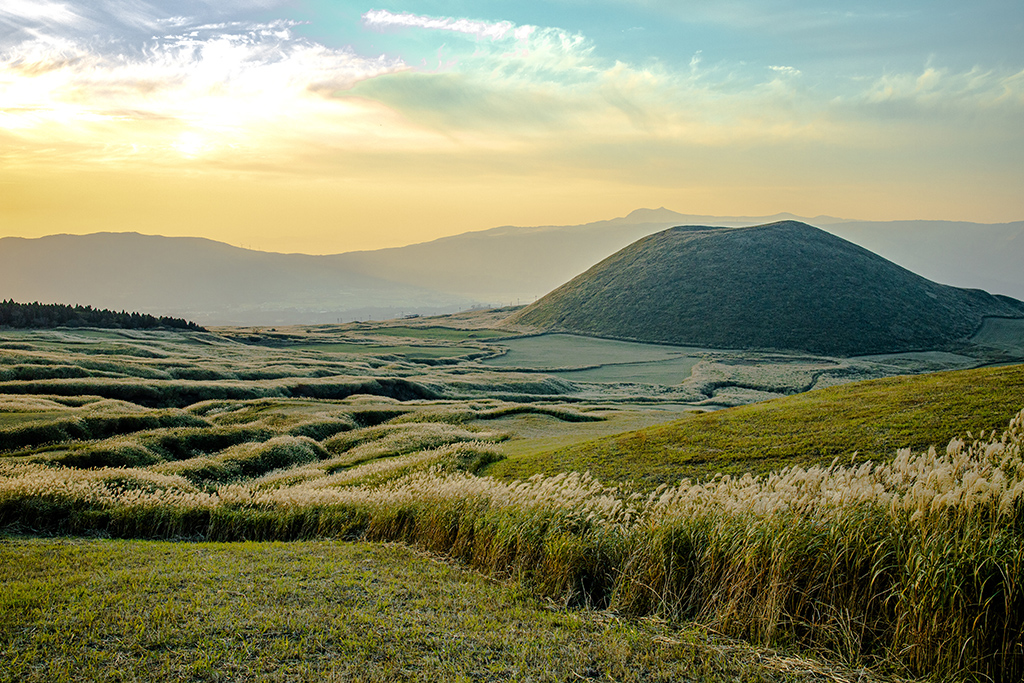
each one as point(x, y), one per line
point(656, 216)
point(328, 127)
point(662, 213)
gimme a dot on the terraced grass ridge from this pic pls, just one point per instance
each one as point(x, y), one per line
point(784, 285)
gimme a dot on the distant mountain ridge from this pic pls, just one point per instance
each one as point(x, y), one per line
point(203, 280)
point(782, 286)
point(510, 264)
point(216, 283)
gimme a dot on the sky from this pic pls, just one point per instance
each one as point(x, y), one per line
point(324, 126)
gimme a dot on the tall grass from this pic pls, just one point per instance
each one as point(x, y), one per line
point(247, 460)
point(93, 425)
point(918, 563)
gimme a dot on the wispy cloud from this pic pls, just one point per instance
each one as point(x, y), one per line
point(42, 11)
point(246, 94)
point(944, 89)
point(383, 19)
point(785, 70)
point(238, 92)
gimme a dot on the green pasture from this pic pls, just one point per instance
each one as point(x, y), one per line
point(440, 333)
point(562, 351)
point(871, 419)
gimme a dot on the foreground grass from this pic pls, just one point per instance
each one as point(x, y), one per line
point(916, 564)
point(873, 419)
point(102, 610)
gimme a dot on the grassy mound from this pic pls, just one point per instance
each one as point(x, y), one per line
point(784, 285)
point(94, 426)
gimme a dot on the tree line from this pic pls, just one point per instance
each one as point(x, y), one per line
point(13, 314)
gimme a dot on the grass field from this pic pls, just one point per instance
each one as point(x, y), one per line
point(102, 610)
point(411, 352)
point(870, 419)
point(441, 333)
point(558, 351)
point(903, 562)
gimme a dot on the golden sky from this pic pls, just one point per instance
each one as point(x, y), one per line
point(323, 127)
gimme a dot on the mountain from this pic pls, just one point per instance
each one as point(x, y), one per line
point(510, 264)
point(519, 264)
point(217, 284)
point(202, 280)
point(784, 285)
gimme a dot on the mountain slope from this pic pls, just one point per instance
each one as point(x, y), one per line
point(784, 285)
point(215, 283)
point(207, 281)
point(506, 264)
point(509, 264)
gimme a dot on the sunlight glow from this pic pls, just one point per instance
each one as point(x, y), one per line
point(505, 106)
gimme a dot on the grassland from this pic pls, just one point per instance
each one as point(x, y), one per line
point(853, 422)
point(897, 562)
point(102, 610)
point(411, 352)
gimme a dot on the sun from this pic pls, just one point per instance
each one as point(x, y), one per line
point(190, 144)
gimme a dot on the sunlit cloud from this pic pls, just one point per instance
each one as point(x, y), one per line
point(206, 91)
point(207, 88)
point(785, 70)
point(946, 89)
point(17, 12)
point(245, 94)
point(383, 19)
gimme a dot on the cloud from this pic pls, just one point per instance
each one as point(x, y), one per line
point(234, 93)
point(27, 19)
point(943, 89)
point(785, 70)
point(254, 95)
point(556, 92)
point(383, 19)
point(39, 11)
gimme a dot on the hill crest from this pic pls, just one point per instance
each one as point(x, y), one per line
point(782, 286)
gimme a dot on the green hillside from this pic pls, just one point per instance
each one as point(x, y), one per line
point(784, 285)
point(873, 419)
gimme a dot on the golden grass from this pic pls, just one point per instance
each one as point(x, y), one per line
point(917, 561)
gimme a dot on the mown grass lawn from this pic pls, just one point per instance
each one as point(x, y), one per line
point(109, 610)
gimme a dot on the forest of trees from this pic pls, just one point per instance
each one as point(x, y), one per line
point(13, 314)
